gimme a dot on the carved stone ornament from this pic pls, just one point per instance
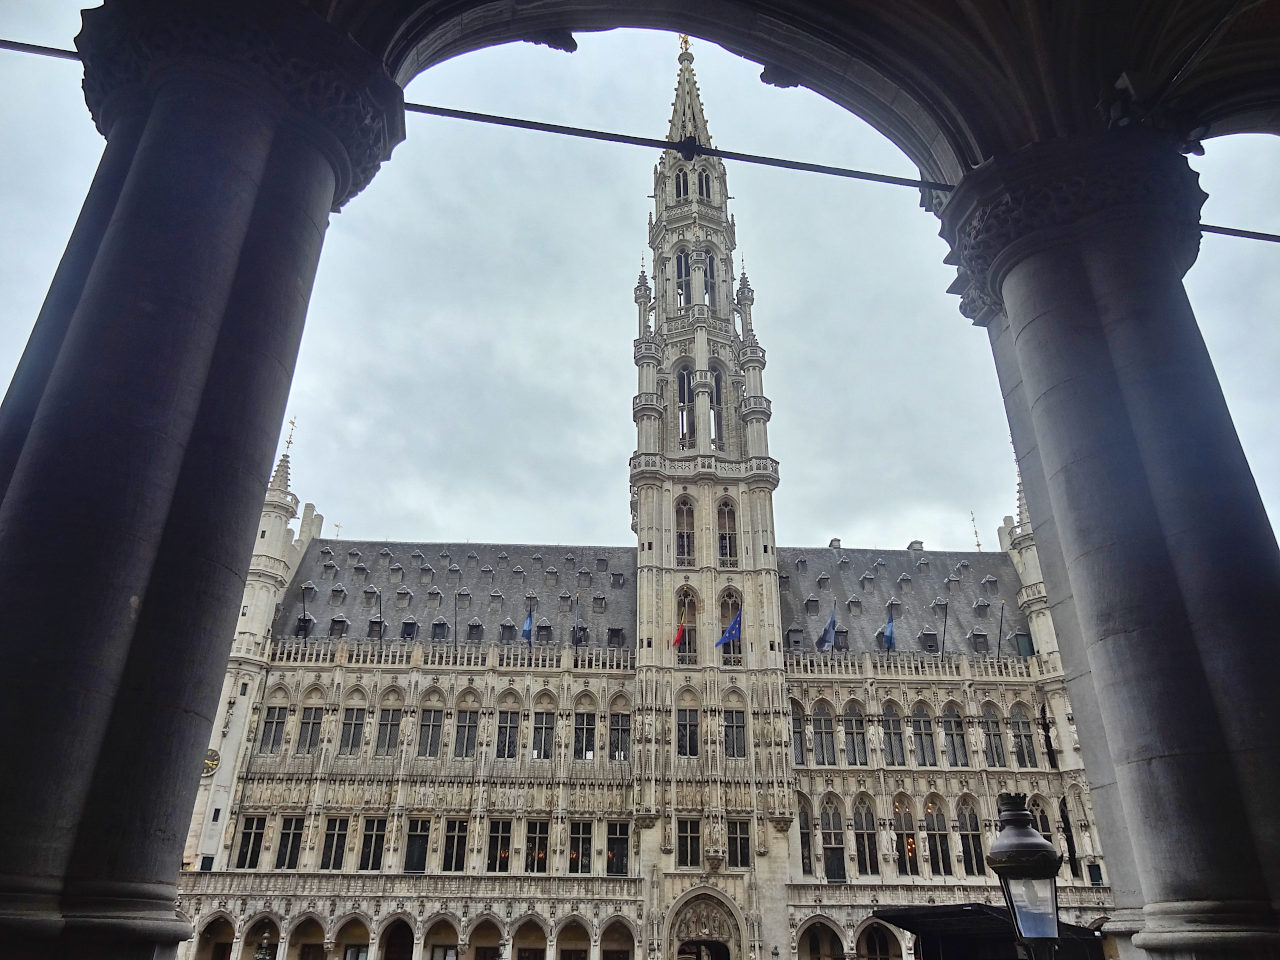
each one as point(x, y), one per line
point(1015, 205)
point(704, 919)
point(326, 80)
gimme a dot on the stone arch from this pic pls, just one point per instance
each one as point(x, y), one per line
point(585, 702)
point(216, 931)
point(313, 695)
point(834, 937)
point(687, 696)
point(355, 695)
point(297, 923)
point(704, 914)
point(895, 939)
point(488, 915)
point(510, 699)
point(545, 699)
point(396, 938)
point(567, 923)
point(620, 920)
point(531, 919)
point(468, 697)
point(620, 702)
point(448, 917)
point(391, 918)
point(434, 696)
point(393, 696)
point(264, 926)
point(734, 695)
point(277, 695)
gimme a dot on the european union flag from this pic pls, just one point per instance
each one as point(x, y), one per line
point(888, 632)
point(827, 640)
point(732, 632)
point(527, 630)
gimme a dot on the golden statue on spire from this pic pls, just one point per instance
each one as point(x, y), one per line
point(293, 422)
point(684, 43)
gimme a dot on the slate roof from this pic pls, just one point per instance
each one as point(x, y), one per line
point(862, 582)
point(496, 583)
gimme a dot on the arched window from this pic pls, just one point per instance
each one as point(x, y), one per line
point(1024, 740)
point(685, 406)
point(864, 838)
point(939, 840)
point(717, 410)
point(824, 736)
point(832, 842)
point(904, 838)
point(922, 733)
point(895, 753)
point(855, 736)
point(684, 275)
point(704, 184)
point(687, 615)
point(727, 531)
point(806, 838)
point(877, 944)
point(953, 744)
point(730, 650)
point(992, 740)
point(682, 184)
point(1069, 836)
point(797, 735)
point(684, 533)
point(1040, 820)
point(970, 839)
point(709, 280)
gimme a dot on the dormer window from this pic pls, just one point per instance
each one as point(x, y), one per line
point(842, 638)
point(979, 640)
point(602, 564)
point(811, 606)
point(584, 577)
point(597, 603)
point(617, 580)
point(507, 632)
point(440, 629)
point(397, 573)
point(823, 579)
point(453, 574)
point(338, 594)
point(543, 634)
point(564, 601)
point(855, 605)
point(359, 573)
point(475, 631)
point(989, 582)
point(614, 637)
point(375, 629)
point(426, 573)
point(409, 629)
point(329, 571)
point(486, 572)
point(904, 578)
point(922, 562)
point(862, 580)
point(928, 641)
point(981, 607)
point(304, 626)
point(353, 554)
point(338, 627)
point(795, 636)
point(418, 555)
point(518, 572)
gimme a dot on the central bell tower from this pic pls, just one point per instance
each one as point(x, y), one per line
point(702, 485)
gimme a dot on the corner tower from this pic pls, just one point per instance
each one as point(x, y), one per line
point(702, 509)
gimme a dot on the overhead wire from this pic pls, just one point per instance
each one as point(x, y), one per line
point(688, 148)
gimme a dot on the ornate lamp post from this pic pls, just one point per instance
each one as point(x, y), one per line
point(1027, 865)
point(264, 950)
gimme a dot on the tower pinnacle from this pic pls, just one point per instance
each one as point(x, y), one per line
point(687, 116)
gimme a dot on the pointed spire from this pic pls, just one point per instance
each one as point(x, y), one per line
point(687, 116)
point(280, 478)
point(1024, 515)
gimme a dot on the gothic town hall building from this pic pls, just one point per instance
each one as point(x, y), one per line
point(397, 772)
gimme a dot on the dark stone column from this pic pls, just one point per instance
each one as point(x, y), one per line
point(134, 499)
point(129, 841)
point(32, 374)
point(1107, 807)
point(1084, 244)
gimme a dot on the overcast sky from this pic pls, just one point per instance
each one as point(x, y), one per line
point(466, 371)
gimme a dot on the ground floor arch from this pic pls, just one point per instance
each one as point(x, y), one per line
point(704, 927)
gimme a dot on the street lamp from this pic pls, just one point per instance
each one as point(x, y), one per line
point(1027, 865)
point(264, 950)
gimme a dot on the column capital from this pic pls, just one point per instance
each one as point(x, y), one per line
point(1054, 192)
point(319, 79)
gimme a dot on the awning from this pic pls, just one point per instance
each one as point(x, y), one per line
point(967, 920)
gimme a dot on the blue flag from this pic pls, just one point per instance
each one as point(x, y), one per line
point(732, 632)
point(888, 632)
point(828, 638)
point(527, 630)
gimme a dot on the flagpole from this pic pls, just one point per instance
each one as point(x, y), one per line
point(307, 626)
point(1000, 631)
point(946, 609)
point(455, 618)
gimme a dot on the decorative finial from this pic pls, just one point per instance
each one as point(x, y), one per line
point(974, 521)
point(684, 43)
point(293, 422)
point(338, 527)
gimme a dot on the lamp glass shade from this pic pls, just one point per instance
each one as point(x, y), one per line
point(1035, 907)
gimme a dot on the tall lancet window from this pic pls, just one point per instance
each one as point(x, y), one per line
point(709, 280)
point(684, 295)
point(684, 533)
point(727, 533)
point(717, 410)
point(685, 407)
point(730, 650)
point(687, 617)
point(682, 184)
point(704, 184)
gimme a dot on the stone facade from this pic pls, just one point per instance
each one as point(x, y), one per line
point(499, 751)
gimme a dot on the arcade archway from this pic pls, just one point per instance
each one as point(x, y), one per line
point(704, 928)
